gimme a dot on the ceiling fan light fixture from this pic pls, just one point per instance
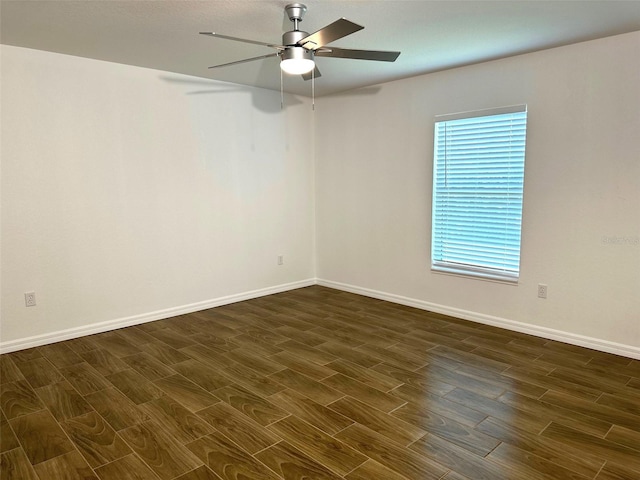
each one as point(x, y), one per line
point(296, 61)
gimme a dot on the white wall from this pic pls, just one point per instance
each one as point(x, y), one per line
point(582, 188)
point(129, 194)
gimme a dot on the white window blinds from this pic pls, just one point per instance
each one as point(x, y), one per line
point(477, 193)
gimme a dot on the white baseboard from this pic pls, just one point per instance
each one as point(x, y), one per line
point(58, 336)
point(549, 333)
point(552, 334)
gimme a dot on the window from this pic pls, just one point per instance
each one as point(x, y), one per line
point(477, 193)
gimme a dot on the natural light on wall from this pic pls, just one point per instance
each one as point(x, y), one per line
point(478, 183)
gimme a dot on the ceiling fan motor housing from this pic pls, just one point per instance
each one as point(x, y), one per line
point(293, 37)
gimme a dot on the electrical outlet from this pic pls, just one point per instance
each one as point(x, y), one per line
point(542, 290)
point(280, 259)
point(30, 299)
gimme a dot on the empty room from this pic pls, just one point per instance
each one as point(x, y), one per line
point(361, 240)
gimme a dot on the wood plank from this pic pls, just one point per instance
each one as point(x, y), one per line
point(590, 409)
point(60, 355)
point(593, 446)
point(373, 470)
point(202, 375)
point(70, 465)
point(40, 436)
point(401, 460)
point(253, 406)
point(9, 372)
point(118, 410)
point(455, 432)
point(327, 450)
point(624, 436)
point(420, 380)
point(115, 343)
point(201, 473)
point(555, 452)
point(531, 466)
point(137, 388)
point(8, 440)
point(291, 464)
point(387, 425)
point(543, 410)
point(18, 398)
point(126, 468)
point(459, 411)
point(228, 460)
point(172, 338)
point(321, 357)
point(255, 362)
point(310, 411)
point(612, 471)
point(186, 392)
point(163, 454)
point(84, 378)
point(104, 361)
point(397, 358)
point(14, 465)
point(368, 376)
point(364, 393)
point(39, 372)
point(177, 421)
point(256, 345)
point(523, 419)
point(238, 427)
point(95, 439)
point(63, 400)
point(300, 365)
point(165, 353)
point(458, 459)
point(82, 344)
point(320, 392)
point(147, 366)
point(208, 356)
point(346, 353)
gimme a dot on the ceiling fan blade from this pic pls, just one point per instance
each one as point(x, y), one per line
point(308, 76)
point(245, 60)
point(334, 31)
point(378, 55)
point(227, 37)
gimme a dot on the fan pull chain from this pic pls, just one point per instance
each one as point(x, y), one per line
point(313, 89)
point(281, 92)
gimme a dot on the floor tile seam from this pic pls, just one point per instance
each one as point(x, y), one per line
point(618, 443)
point(572, 453)
point(486, 415)
point(499, 463)
point(605, 408)
point(332, 436)
point(515, 357)
point(382, 412)
point(135, 454)
point(68, 437)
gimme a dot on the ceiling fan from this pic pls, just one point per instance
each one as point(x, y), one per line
point(299, 49)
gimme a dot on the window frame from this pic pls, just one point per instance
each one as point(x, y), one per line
point(487, 272)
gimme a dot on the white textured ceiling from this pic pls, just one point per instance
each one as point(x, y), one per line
point(432, 35)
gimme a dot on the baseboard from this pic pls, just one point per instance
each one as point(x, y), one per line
point(58, 336)
point(549, 333)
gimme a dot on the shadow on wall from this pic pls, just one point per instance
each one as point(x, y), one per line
point(263, 100)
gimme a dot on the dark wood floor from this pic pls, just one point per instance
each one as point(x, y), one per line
point(318, 384)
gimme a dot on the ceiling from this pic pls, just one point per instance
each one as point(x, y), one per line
point(432, 35)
